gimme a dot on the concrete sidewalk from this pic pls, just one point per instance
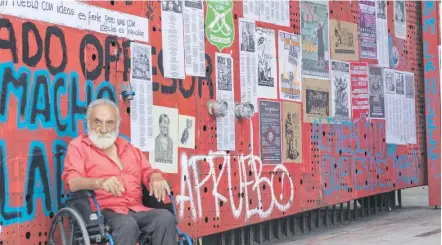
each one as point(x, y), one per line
point(416, 223)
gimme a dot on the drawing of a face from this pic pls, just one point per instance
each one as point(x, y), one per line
point(164, 124)
point(189, 123)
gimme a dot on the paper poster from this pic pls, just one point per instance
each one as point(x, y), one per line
point(165, 130)
point(402, 103)
point(340, 90)
point(393, 115)
point(400, 19)
point(344, 41)
point(275, 11)
point(397, 55)
point(292, 131)
point(186, 131)
point(248, 62)
point(141, 104)
point(172, 37)
point(270, 131)
point(225, 126)
point(410, 97)
point(289, 59)
point(194, 38)
point(376, 92)
point(367, 29)
point(317, 100)
point(270, 11)
point(80, 16)
point(359, 90)
point(266, 53)
point(220, 30)
point(382, 33)
point(314, 39)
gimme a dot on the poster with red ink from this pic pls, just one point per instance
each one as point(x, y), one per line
point(359, 90)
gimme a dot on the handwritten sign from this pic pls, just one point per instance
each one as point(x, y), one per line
point(79, 15)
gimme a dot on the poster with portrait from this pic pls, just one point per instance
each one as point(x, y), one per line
point(186, 132)
point(315, 39)
point(292, 132)
point(317, 100)
point(165, 132)
point(376, 92)
point(344, 42)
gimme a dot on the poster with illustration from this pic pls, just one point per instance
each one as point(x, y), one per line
point(376, 92)
point(186, 132)
point(315, 39)
point(266, 53)
point(270, 131)
point(340, 85)
point(400, 19)
point(344, 40)
point(292, 132)
point(289, 59)
point(317, 100)
point(165, 132)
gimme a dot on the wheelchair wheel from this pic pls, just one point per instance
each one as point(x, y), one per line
point(77, 232)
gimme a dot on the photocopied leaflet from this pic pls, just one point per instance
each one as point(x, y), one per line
point(141, 122)
point(225, 126)
point(172, 34)
point(248, 62)
point(194, 38)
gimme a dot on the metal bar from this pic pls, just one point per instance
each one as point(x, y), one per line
point(223, 238)
point(294, 224)
point(334, 215)
point(393, 199)
point(399, 197)
point(342, 213)
point(368, 205)
point(375, 204)
point(303, 222)
point(348, 211)
point(326, 217)
point(242, 236)
point(363, 206)
point(260, 233)
point(355, 209)
point(388, 201)
point(311, 220)
point(318, 217)
point(251, 235)
point(382, 202)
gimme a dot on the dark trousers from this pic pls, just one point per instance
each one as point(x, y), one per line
point(127, 228)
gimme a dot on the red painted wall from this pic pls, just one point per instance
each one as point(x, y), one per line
point(431, 34)
point(251, 192)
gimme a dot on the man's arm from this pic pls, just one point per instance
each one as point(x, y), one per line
point(74, 174)
point(153, 179)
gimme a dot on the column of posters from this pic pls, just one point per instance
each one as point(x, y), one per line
point(225, 126)
point(248, 63)
point(141, 105)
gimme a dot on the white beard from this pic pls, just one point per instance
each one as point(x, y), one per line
point(103, 141)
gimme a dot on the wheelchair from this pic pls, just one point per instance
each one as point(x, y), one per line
point(87, 227)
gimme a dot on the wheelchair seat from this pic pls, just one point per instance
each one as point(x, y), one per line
point(90, 227)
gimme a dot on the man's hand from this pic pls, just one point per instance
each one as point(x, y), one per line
point(112, 185)
point(158, 186)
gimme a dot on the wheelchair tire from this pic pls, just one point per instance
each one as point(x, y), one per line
point(80, 224)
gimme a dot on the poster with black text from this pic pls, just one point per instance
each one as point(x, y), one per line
point(270, 132)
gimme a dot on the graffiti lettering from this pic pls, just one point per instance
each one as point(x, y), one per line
point(38, 183)
point(41, 102)
point(249, 184)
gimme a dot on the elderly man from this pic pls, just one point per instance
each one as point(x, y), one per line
point(112, 167)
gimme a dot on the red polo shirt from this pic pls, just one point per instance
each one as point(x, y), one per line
point(83, 159)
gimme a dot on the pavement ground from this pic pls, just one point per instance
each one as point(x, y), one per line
point(415, 224)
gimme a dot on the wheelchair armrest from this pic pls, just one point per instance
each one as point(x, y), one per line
point(78, 194)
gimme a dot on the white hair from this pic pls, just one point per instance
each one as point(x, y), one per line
point(102, 101)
